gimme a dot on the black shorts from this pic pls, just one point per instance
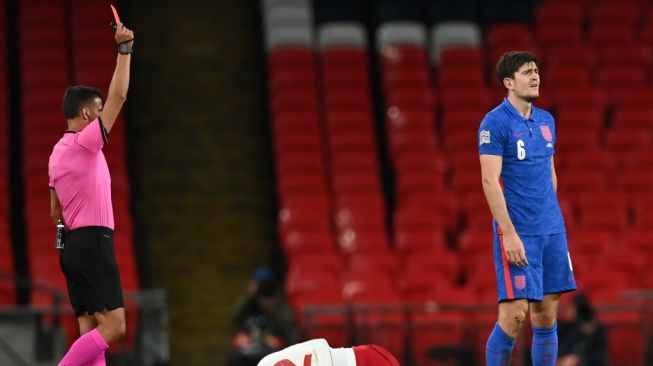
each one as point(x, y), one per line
point(89, 264)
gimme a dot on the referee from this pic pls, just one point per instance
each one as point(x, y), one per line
point(80, 196)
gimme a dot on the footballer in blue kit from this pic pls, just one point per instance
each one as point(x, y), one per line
point(516, 143)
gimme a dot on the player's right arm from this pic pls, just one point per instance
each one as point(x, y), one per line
point(512, 244)
point(493, 137)
point(120, 82)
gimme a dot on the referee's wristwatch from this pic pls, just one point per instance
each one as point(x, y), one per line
point(125, 49)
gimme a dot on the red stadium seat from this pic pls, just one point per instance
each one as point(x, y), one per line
point(557, 34)
point(288, 57)
point(326, 260)
point(549, 12)
point(636, 181)
point(359, 218)
point(444, 204)
point(592, 160)
point(556, 55)
point(292, 78)
point(420, 161)
point(410, 98)
point(348, 121)
point(401, 119)
point(585, 241)
point(463, 98)
point(339, 79)
point(468, 119)
point(579, 118)
point(630, 97)
point(409, 241)
point(634, 55)
point(337, 57)
point(364, 240)
point(297, 163)
point(633, 117)
point(414, 219)
point(614, 220)
point(459, 76)
point(466, 181)
point(580, 96)
point(413, 182)
point(621, 76)
point(356, 182)
point(406, 77)
point(562, 76)
point(295, 101)
point(574, 182)
point(298, 242)
point(576, 140)
point(625, 140)
point(437, 260)
point(404, 55)
point(514, 35)
point(613, 12)
point(347, 162)
point(412, 142)
point(418, 284)
point(351, 100)
point(329, 325)
point(302, 219)
point(611, 34)
point(384, 260)
point(461, 56)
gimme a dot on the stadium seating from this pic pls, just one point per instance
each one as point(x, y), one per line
point(595, 61)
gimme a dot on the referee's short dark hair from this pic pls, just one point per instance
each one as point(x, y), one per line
point(511, 61)
point(77, 97)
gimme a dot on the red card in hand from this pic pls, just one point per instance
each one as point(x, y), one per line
point(116, 17)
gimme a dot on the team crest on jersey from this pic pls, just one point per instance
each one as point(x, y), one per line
point(520, 282)
point(546, 133)
point(483, 137)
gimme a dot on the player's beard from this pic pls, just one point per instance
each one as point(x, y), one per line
point(528, 98)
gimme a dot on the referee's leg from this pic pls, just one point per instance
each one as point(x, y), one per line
point(89, 349)
point(111, 324)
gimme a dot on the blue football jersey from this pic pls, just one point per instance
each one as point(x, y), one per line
point(527, 146)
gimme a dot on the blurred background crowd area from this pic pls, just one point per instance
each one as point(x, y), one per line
point(334, 142)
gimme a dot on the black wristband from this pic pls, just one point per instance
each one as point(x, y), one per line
point(125, 49)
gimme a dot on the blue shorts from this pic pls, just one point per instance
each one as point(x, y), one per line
point(549, 268)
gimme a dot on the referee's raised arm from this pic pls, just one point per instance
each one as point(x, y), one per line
point(120, 82)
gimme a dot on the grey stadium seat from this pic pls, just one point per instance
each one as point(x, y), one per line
point(401, 33)
point(287, 16)
point(448, 34)
point(342, 34)
point(289, 36)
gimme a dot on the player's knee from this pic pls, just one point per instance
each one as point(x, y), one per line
point(518, 313)
point(544, 319)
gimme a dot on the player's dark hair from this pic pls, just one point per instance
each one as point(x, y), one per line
point(77, 97)
point(510, 62)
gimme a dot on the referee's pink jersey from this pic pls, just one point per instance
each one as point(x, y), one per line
point(80, 176)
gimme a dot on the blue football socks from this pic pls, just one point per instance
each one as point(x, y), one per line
point(498, 349)
point(545, 346)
